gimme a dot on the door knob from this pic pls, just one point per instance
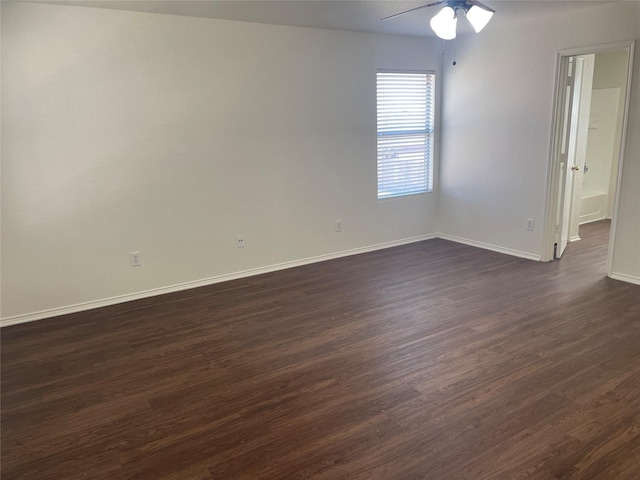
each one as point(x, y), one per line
point(575, 168)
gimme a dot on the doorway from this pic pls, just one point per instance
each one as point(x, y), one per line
point(592, 91)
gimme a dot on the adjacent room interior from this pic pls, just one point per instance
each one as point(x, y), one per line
point(202, 275)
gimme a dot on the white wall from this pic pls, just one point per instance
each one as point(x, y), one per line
point(130, 131)
point(601, 154)
point(496, 125)
point(611, 72)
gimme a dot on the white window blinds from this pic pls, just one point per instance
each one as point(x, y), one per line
point(405, 103)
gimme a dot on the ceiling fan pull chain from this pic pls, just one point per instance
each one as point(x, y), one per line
point(454, 51)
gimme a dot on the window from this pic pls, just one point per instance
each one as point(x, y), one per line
point(405, 133)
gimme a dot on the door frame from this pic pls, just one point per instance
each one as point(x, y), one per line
point(553, 170)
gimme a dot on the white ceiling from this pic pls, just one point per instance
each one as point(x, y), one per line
point(354, 15)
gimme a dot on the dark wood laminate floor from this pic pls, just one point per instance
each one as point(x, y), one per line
point(428, 361)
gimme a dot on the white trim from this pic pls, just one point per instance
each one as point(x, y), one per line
point(623, 142)
point(550, 228)
point(625, 278)
point(602, 48)
point(489, 246)
point(79, 307)
point(574, 239)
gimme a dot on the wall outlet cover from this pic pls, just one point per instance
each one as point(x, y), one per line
point(135, 258)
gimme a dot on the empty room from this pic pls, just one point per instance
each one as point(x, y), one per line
point(320, 239)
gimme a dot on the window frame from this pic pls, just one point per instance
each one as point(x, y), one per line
point(408, 184)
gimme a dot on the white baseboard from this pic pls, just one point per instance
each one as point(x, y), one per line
point(590, 218)
point(488, 246)
point(625, 278)
point(574, 239)
point(55, 312)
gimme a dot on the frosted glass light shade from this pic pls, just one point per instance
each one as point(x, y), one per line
point(478, 17)
point(444, 23)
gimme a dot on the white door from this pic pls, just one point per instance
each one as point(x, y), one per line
point(582, 137)
point(568, 150)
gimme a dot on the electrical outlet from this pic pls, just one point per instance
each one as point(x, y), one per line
point(338, 225)
point(530, 224)
point(239, 241)
point(136, 259)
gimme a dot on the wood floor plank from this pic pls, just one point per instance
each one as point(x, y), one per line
point(428, 361)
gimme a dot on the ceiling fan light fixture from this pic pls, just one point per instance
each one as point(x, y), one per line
point(444, 23)
point(479, 17)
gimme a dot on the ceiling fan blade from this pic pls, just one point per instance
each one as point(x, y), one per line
point(482, 5)
point(413, 9)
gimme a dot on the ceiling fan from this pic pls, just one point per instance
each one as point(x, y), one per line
point(444, 23)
